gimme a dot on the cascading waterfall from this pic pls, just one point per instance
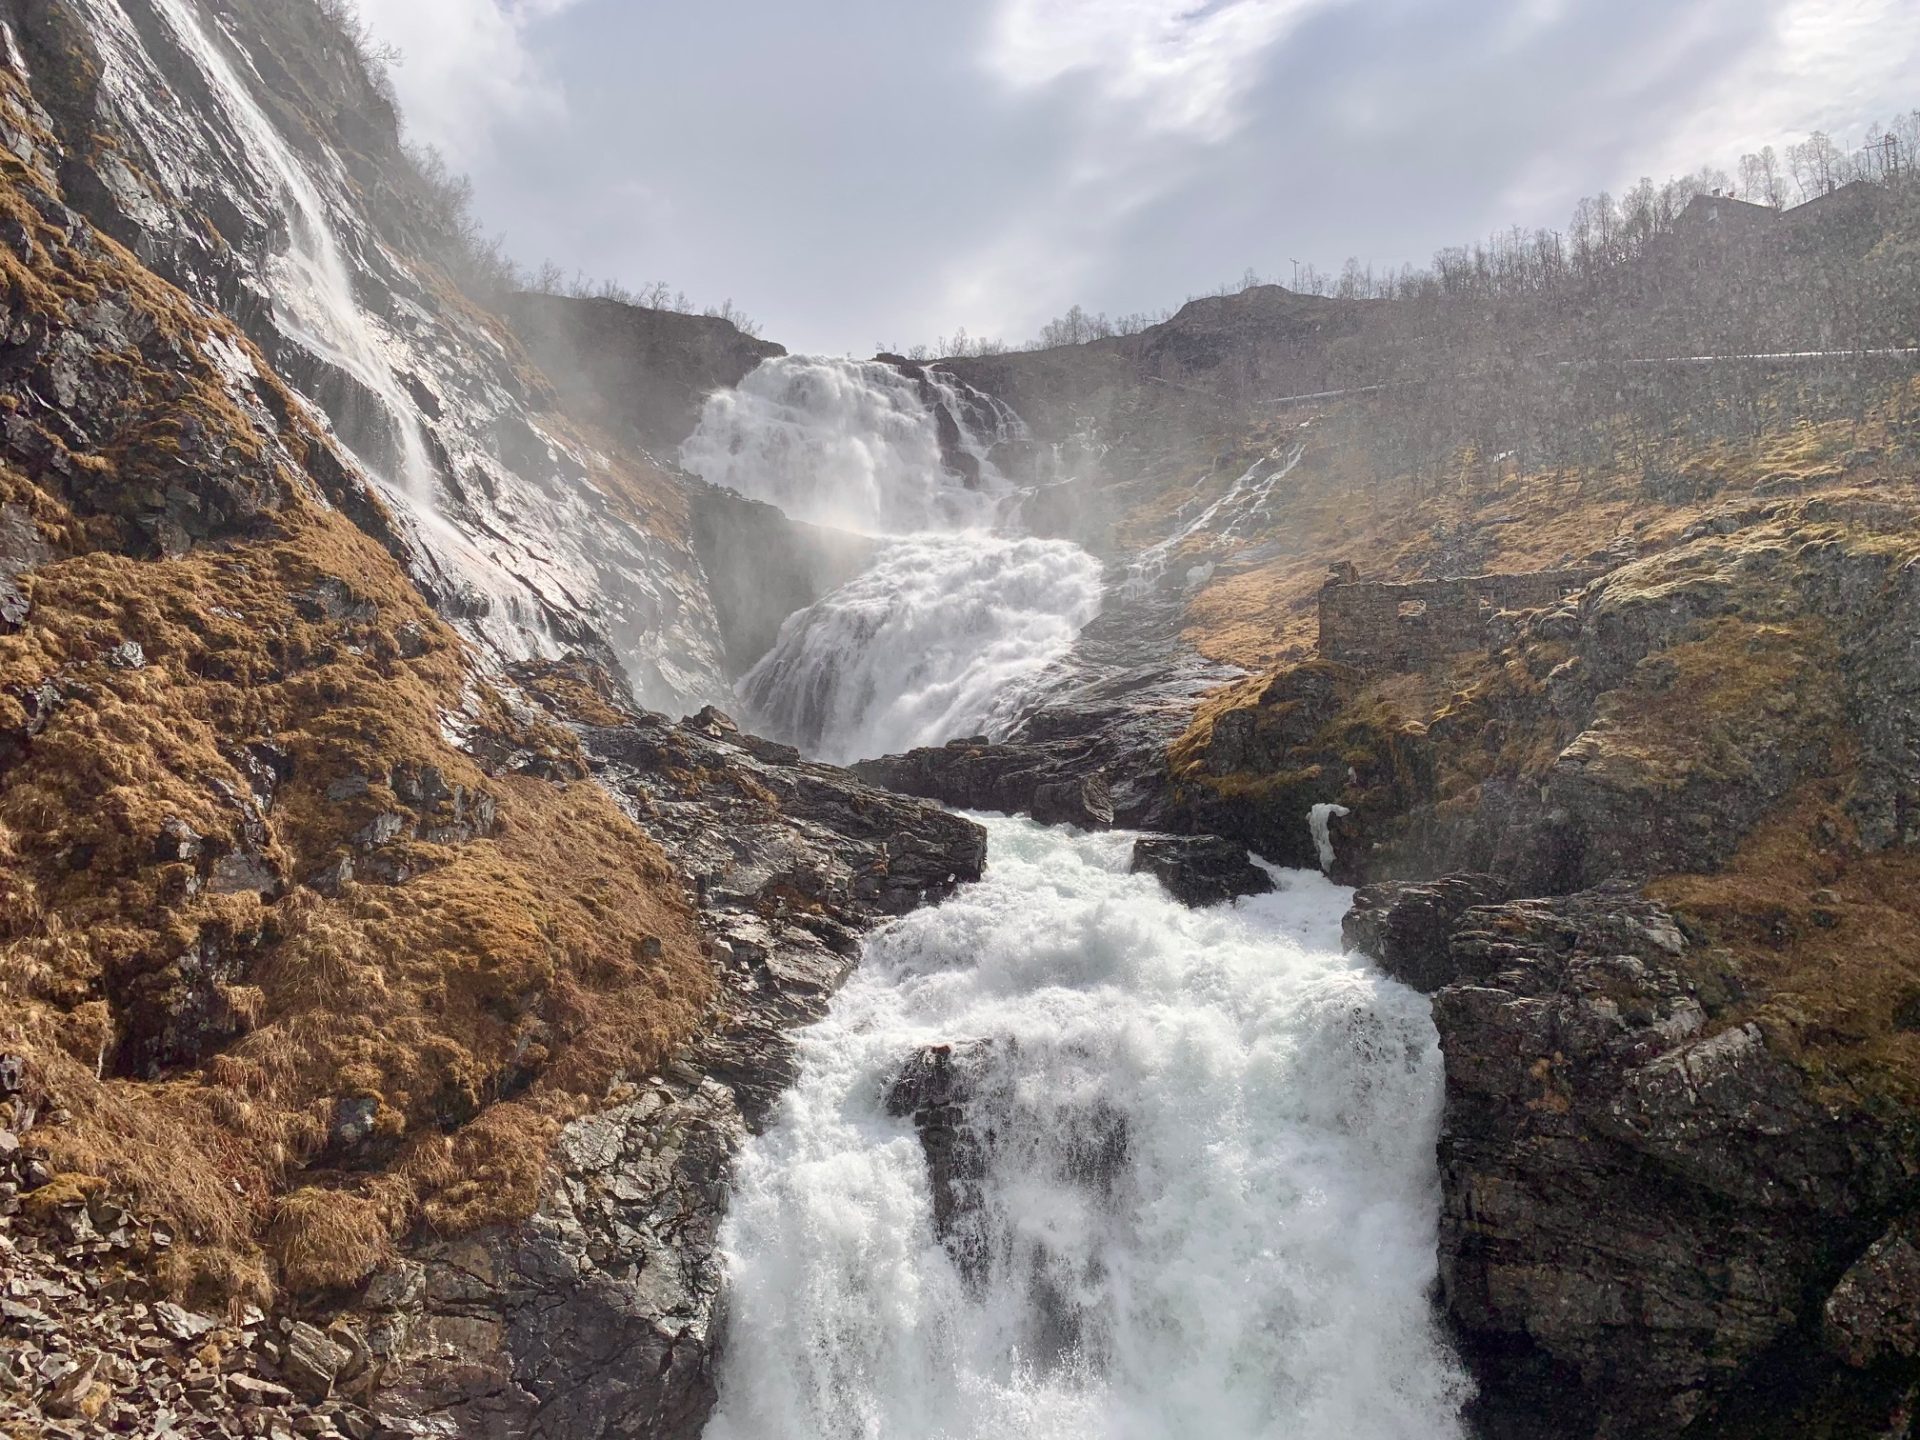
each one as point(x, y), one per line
point(847, 443)
point(934, 639)
point(1190, 1186)
point(930, 643)
point(1230, 515)
point(313, 289)
point(314, 300)
point(1205, 1200)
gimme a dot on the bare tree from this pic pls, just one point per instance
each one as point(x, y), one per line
point(1817, 165)
point(1761, 179)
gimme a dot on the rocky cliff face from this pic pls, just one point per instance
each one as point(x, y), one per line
point(243, 154)
point(640, 375)
point(1651, 863)
point(1657, 1216)
point(762, 567)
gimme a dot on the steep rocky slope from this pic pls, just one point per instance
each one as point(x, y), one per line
point(334, 892)
point(244, 154)
point(247, 774)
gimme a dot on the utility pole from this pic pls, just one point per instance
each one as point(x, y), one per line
point(1889, 149)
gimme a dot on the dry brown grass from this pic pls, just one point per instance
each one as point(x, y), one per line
point(523, 954)
point(505, 985)
point(328, 1239)
point(1824, 940)
point(1331, 509)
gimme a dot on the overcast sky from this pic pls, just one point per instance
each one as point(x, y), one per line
point(857, 171)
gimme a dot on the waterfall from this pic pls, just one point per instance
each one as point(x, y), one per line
point(848, 443)
point(315, 305)
point(937, 637)
point(929, 643)
point(313, 288)
point(1197, 1195)
point(1244, 502)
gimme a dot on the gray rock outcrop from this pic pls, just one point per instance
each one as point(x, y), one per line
point(1652, 1218)
point(599, 1318)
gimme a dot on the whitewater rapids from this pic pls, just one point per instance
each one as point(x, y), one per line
point(1256, 1264)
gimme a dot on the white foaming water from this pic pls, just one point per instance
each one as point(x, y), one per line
point(1208, 1198)
point(940, 635)
point(847, 443)
point(313, 288)
point(929, 643)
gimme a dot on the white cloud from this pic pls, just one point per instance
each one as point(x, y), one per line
point(1179, 67)
point(1824, 64)
point(466, 68)
point(1836, 65)
point(1148, 83)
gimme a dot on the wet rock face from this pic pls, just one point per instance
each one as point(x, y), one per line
point(1058, 784)
point(596, 1318)
point(1648, 1213)
point(781, 836)
point(934, 1090)
point(141, 134)
point(599, 1318)
point(1199, 869)
point(762, 567)
point(1407, 928)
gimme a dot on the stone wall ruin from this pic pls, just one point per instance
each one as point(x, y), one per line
point(1381, 627)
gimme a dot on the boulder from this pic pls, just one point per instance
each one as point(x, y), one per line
point(1199, 869)
point(934, 1089)
point(972, 1121)
point(1407, 928)
point(1873, 1314)
point(311, 1361)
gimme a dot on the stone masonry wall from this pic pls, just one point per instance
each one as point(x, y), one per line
point(1376, 626)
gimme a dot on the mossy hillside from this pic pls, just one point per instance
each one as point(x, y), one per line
point(1818, 939)
point(1715, 690)
point(165, 812)
point(1481, 515)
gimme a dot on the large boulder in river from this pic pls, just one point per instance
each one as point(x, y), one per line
point(1199, 869)
point(977, 1131)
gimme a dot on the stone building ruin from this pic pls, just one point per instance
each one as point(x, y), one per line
point(1382, 627)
